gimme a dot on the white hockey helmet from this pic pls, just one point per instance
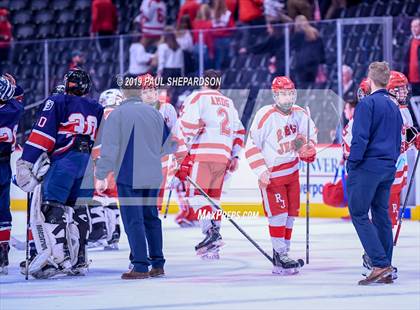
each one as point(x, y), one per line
point(111, 97)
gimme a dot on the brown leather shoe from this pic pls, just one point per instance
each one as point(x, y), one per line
point(386, 280)
point(134, 275)
point(156, 272)
point(377, 275)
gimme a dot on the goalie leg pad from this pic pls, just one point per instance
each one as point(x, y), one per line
point(49, 228)
point(98, 220)
point(80, 230)
point(112, 216)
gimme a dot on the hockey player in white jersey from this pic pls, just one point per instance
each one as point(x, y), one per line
point(211, 126)
point(276, 143)
point(152, 19)
point(105, 217)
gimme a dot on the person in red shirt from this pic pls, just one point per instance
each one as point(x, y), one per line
point(203, 22)
point(190, 8)
point(104, 21)
point(5, 35)
point(251, 13)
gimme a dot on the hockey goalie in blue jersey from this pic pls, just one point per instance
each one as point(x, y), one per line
point(10, 112)
point(63, 135)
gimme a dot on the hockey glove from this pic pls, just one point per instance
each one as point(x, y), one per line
point(264, 179)
point(299, 142)
point(307, 153)
point(417, 142)
point(184, 169)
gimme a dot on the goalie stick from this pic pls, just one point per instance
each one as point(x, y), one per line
point(28, 206)
point(397, 233)
point(255, 244)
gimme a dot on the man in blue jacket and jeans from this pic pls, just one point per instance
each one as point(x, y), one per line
point(374, 150)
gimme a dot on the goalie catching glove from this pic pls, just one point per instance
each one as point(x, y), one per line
point(29, 175)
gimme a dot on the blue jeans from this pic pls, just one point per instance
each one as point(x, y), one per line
point(370, 190)
point(5, 176)
point(141, 223)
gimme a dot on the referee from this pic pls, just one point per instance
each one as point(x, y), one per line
point(374, 150)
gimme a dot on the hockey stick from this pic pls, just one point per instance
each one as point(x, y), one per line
point(307, 191)
point(167, 204)
point(28, 205)
point(202, 192)
point(397, 233)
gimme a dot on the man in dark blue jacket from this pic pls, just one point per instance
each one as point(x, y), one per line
point(375, 147)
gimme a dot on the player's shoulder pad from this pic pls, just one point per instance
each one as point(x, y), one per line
point(264, 113)
point(52, 101)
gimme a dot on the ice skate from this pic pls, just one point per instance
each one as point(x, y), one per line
point(284, 265)
point(211, 244)
point(4, 257)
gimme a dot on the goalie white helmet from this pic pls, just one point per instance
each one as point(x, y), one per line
point(111, 97)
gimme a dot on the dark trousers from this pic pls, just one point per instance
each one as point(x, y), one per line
point(371, 190)
point(142, 225)
point(5, 175)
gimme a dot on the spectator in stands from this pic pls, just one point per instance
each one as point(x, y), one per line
point(104, 21)
point(308, 51)
point(190, 8)
point(170, 56)
point(334, 9)
point(274, 11)
point(348, 83)
point(77, 60)
point(185, 41)
point(222, 32)
point(272, 45)
point(204, 24)
point(6, 36)
point(251, 14)
point(300, 7)
point(183, 34)
point(233, 7)
point(140, 60)
point(152, 20)
point(412, 68)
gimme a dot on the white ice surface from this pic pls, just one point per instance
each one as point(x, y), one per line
point(241, 279)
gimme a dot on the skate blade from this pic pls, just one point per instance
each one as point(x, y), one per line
point(111, 247)
point(285, 272)
point(216, 245)
point(97, 244)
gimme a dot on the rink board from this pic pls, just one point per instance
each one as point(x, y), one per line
point(241, 194)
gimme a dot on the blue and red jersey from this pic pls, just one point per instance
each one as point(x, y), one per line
point(62, 118)
point(10, 113)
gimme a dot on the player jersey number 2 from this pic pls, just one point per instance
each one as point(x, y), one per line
point(224, 124)
point(84, 126)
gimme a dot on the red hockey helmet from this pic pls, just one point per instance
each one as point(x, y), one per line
point(284, 93)
point(398, 86)
point(364, 89)
point(282, 82)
